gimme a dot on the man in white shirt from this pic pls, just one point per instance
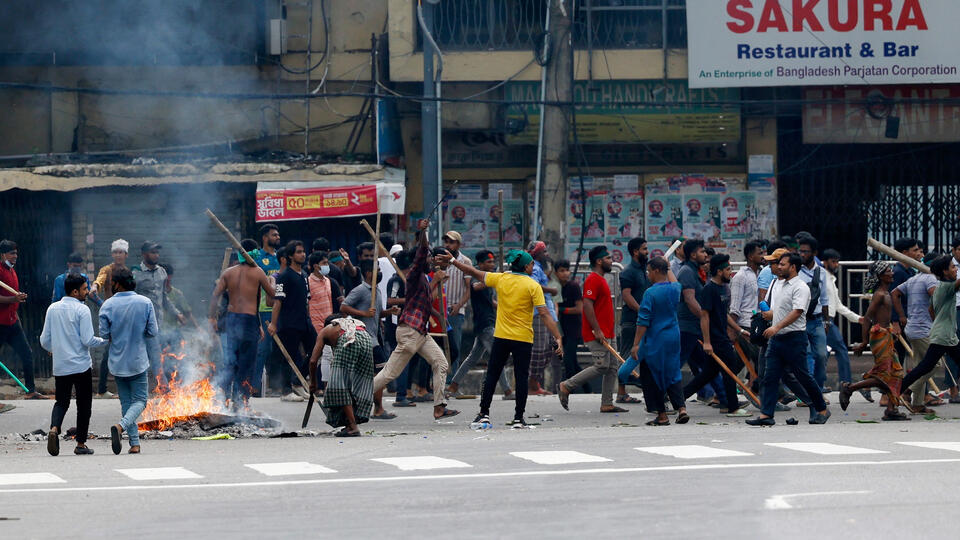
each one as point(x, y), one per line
point(68, 335)
point(831, 262)
point(787, 349)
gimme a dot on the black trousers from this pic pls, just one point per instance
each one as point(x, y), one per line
point(725, 351)
point(653, 394)
point(292, 340)
point(83, 383)
point(934, 353)
point(104, 371)
point(13, 335)
point(499, 354)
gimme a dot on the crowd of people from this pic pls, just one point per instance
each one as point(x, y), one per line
point(314, 324)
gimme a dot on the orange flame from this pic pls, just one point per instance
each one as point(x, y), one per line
point(176, 401)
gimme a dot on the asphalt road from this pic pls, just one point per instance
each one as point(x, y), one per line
point(578, 473)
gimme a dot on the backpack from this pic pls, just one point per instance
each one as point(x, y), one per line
point(759, 325)
point(814, 285)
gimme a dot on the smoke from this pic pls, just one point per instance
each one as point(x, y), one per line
point(189, 45)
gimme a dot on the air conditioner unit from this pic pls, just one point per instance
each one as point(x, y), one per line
point(276, 37)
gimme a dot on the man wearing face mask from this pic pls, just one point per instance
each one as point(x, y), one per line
point(11, 332)
point(74, 266)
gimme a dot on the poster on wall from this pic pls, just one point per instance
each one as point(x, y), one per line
point(512, 224)
point(470, 218)
point(664, 216)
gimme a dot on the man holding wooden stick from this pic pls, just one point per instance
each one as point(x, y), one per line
point(240, 326)
point(11, 332)
point(597, 331)
point(715, 318)
point(412, 335)
point(290, 320)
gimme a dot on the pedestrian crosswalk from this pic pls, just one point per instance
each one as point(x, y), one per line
point(717, 454)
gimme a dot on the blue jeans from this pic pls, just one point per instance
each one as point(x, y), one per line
point(786, 353)
point(133, 399)
point(836, 342)
point(817, 350)
point(264, 350)
point(239, 342)
point(456, 338)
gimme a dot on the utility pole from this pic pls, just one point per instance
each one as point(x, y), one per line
point(429, 133)
point(556, 133)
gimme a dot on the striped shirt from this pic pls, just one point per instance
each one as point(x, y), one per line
point(455, 287)
point(416, 307)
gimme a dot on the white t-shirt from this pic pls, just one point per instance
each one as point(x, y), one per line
point(789, 296)
point(386, 270)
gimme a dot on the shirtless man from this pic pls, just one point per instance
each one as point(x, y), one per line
point(887, 373)
point(242, 329)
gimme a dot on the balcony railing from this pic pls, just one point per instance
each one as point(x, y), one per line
point(499, 25)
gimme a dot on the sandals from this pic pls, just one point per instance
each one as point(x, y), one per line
point(894, 416)
point(656, 422)
point(934, 401)
point(447, 413)
point(384, 416)
point(115, 443)
point(922, 409)
point(683, 418)
point(344, 433)
point(615, 410)
point(627, 398)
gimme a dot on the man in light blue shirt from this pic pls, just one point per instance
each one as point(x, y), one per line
point(68, 335)
point(128, 320)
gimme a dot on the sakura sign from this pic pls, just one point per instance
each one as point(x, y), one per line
point(736, 43)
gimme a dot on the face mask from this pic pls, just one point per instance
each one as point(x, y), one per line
point(325, 269)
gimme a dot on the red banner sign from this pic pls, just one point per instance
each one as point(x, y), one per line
point(293, 204)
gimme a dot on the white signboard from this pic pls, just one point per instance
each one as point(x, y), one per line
point(735, 43)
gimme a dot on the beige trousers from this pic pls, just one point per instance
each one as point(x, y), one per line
point(409, 343)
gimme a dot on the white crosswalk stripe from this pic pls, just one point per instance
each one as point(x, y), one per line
point(559, 457)
point(826, 449)
point(954, 446)
point(291, 468)
point(422, 463)
point(159, 473)
point(14, 479)
point(692, 451)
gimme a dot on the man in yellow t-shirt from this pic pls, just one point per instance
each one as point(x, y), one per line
point(518, 295)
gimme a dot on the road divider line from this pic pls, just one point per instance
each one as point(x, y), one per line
point(481, 476)
point(559, 457)
point(826, 449)
point(291, 468)
point(692, 451)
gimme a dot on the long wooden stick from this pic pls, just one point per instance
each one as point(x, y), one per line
point(746, 361)
point(613, 352)
point(500, 225)
point(736, 379)
point(233, 239)
point(383, 250)
point(9, 289)
point(896, 255)
point(227, 252)
point(376, 267)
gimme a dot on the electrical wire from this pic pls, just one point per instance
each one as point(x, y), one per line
point(326, 47)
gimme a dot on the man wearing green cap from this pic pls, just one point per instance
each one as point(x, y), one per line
point(518, 296)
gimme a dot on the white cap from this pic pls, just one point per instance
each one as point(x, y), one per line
point(121, 245)
point(397, 248)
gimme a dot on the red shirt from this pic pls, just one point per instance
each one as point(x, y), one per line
point(433, 324)
point(595, 288)
point(8, 312)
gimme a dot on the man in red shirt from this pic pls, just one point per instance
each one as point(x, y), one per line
point(597, 330)
point(11, 332)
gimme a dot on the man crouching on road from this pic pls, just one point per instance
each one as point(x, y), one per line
point(127, 320)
